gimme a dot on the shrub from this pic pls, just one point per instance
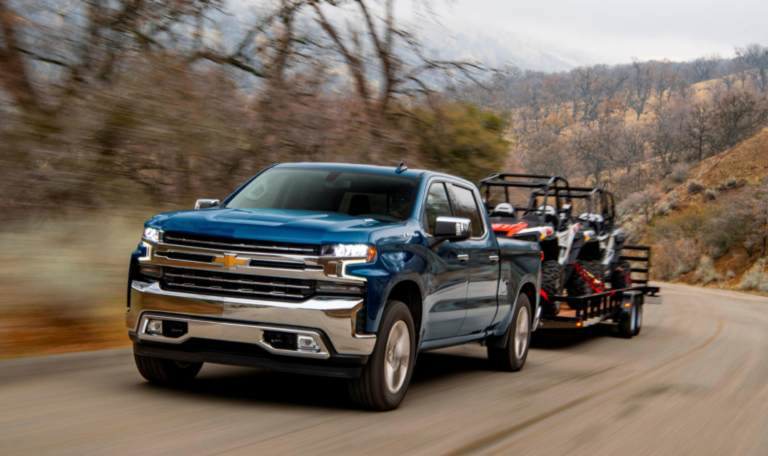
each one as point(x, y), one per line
point(705, 272)
point(756, 277)
point(710, 194)
point(695, 187)
point(679, 173)
point(673, 258)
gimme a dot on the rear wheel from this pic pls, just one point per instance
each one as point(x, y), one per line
point(386, 377)
point(166, 371)
point(512, 357)
point(552, 285)
point(622, 276)
point(576, 285)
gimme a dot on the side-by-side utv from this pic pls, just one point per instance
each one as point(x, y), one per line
point(546, 218)
point(601, 255)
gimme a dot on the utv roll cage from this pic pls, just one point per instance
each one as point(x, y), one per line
point(547, 186)
point(599, 202)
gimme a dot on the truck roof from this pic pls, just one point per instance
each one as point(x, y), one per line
point(390, 170)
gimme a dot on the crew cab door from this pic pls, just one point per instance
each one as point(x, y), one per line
point(447, 274)
point(483, 251)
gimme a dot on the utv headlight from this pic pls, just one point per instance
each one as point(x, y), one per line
point(152, 234)
point(362, 251)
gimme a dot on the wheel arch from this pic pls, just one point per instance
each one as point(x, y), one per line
point(528, 287)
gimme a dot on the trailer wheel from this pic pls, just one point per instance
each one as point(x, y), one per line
point(512, 356)
point(385, 378)
point(166, 371)
point(552, 284)
point(638, 318)
point(628, 324)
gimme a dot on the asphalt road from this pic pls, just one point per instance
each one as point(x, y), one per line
point(695, 381)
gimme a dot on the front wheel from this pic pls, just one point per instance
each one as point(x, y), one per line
point(512, 356)
point(386, 377)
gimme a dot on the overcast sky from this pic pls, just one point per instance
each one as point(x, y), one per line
point(614, 31)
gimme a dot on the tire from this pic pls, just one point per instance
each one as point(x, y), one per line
point(628, 324)
point(638, 319)
point(576, 285)
point(552, 284)
point(512, 357)
point(373, 390)
point(166, 371)
point(621, 277)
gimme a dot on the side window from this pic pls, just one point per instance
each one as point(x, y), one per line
point(466, 207)
point(437, 206)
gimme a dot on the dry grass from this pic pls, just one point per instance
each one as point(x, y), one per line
point(63, 283)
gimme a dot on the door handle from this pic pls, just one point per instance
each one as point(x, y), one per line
point(463, 257)
point(494, 259)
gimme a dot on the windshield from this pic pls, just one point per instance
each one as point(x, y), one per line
point(366, 195)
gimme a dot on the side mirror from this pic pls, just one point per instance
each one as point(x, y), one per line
point(452, 229)
point(206, 203)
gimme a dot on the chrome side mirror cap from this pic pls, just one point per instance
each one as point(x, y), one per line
point(206, 203)
point(453, 229)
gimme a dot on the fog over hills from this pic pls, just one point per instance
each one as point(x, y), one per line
point(499, 48)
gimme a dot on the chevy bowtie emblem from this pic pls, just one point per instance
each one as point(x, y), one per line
point(230, 260)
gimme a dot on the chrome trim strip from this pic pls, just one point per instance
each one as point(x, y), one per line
point(247, 282)
point(244, 291)
point(230, 332)
point(290, 249)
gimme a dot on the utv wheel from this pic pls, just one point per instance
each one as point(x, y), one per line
point(386, 377)
point(166, 371)
point(576, 285)
point(552, 284)
point(512, 356)
point(622, 276)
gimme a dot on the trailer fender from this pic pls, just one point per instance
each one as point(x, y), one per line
point(628, 302)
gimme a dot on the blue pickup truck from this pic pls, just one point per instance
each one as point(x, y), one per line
point(331, 269)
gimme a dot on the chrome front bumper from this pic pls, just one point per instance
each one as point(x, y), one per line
point(245, 320)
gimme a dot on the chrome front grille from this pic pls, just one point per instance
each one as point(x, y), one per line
point(231, 284)
point(241, 245)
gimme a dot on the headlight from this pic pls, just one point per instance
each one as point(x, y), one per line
point(351, 251)
point(152, 234)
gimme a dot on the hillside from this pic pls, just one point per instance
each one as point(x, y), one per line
point(711, 225)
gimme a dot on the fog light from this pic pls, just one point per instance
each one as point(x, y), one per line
point(306, 343)
point(155, 327)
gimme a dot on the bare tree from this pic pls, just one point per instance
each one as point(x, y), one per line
point(663, 80)
point(755, 58)
point(738, 115)
point(705, 67)
point(640, 86)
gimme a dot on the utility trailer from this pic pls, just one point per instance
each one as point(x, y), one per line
point(623, 306)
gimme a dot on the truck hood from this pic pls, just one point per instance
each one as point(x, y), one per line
point(269, 225)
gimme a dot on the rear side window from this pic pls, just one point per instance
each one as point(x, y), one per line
point(466, 207)
point(437, 206)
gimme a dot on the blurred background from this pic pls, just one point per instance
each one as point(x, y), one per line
point(112, 111)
